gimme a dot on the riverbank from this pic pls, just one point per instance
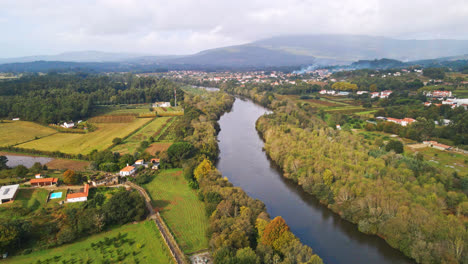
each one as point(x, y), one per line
point(334, 239)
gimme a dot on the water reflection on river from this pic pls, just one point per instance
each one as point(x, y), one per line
point(246, 165)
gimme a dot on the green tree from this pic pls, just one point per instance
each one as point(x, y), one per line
point(117, 141)
point(394, 145)
point(20, 170)
point(246, 256)
point(3, 162)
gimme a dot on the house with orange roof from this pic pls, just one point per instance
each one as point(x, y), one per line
point(79, 196)
point(43, 182)
point(127, 171)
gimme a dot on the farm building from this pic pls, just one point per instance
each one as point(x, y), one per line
point(43, 182)
point(109, 180)
point(162, 104)
point(80, 196)
point(127, 171)
point(68, 125)
point(8, 193)
point(437, 145)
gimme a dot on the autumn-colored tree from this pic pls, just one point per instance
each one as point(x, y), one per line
point(203, 169)
point(71, 178)
point(274, 230)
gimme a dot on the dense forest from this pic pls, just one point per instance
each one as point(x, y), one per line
point(415, 207)
point(240, 229)
point(53, 98)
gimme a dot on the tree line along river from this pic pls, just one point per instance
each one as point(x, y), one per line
point(246, 165)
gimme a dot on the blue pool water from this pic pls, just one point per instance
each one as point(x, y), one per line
point(56, 195)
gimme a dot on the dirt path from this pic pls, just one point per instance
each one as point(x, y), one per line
point(176, 252)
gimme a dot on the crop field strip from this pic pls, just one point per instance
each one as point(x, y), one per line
point(161, 134)
point(132, 142)
point(85, 143)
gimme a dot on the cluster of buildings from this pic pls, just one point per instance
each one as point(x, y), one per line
point(335, 93)
point(402, 122)
point(130, 170)
point(381, 95)
point(70, 124)
point(449, 100)
point(270, 77)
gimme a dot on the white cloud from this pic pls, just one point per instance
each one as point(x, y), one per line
point(186, 26)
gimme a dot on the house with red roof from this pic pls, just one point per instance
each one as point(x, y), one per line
point(79, 196)
point(43, 182)
point(127, 171)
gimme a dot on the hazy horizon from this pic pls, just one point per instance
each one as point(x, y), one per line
point(183, 27)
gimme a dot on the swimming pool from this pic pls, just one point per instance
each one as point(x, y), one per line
point(56, 195)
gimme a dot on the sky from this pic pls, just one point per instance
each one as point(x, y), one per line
point(43, 27)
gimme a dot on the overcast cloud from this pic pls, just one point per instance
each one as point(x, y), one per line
point(32, 27)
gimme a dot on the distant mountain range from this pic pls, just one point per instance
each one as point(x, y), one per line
point(283, 51)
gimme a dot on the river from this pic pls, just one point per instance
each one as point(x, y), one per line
point(246, 165)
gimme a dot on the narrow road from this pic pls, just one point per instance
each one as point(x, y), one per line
point(163, 229)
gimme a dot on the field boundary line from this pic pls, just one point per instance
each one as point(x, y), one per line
point(166, 127)
point(30, 140)
point(131, 134)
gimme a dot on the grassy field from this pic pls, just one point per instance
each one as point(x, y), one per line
point(30, 199)
point(133, 243)
point(133, 142)
point(21, 131)
point(445, 160)
point(180, 208)
point(85, 143)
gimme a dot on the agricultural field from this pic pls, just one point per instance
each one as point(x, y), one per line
point(133, 142)
point(16, 132)
point(124, 109)
point(169, 111)
point(127, 118)
point(158, 146)
point(85, 143)
point(65, 164)
point(179, 206)
point(132, 243)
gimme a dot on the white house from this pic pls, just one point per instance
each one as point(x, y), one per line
point(361, 92)
point(15, 119)
point(79, 197)
point(68, 125)
point(127, 171)
point(8, 193)
point(162, 104)
point(323, 92)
